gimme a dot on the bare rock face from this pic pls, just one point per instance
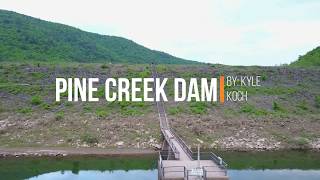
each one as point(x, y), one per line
point(316, 144)
point(3, 124)
point(200, 141)
point(119, 143)
point(248, 141)
point(156, 146)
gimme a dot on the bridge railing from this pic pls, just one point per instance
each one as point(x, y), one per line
point(203, 155)
point(164, 124)
point(177, 170)
point(167, 155)
point(164, 171)
point(207, 170)
point(172, 146)
point(211, 156)
point(160, 167)
point(183, 144)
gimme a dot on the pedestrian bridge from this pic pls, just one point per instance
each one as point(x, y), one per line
point(178, 161)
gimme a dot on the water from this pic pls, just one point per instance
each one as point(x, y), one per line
point(105, 175)
point(268, 174)
point(293, 165)
point(242, 166)
point(79, 168)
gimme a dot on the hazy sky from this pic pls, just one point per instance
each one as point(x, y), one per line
point(237, 32)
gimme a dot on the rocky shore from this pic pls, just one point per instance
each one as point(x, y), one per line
point(62, 152)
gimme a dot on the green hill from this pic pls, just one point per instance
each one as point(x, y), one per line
point(27, 38)
point(312, 58)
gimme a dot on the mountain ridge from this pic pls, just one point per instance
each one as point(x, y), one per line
point(28, 38)
point(310, 59)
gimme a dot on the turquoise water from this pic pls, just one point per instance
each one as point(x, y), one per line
point(242, 166)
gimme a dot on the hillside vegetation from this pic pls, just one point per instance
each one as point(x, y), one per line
point(27, 38)
point(284, 112)
point(312, 58)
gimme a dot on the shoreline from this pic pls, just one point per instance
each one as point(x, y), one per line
point(70, 151)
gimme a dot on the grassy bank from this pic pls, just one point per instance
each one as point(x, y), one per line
point(283, 113)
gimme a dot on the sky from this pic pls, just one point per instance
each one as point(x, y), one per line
point(233, 32)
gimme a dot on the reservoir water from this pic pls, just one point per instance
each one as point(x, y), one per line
point(291, 165)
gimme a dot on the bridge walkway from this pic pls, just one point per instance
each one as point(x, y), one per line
point(184, 165)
